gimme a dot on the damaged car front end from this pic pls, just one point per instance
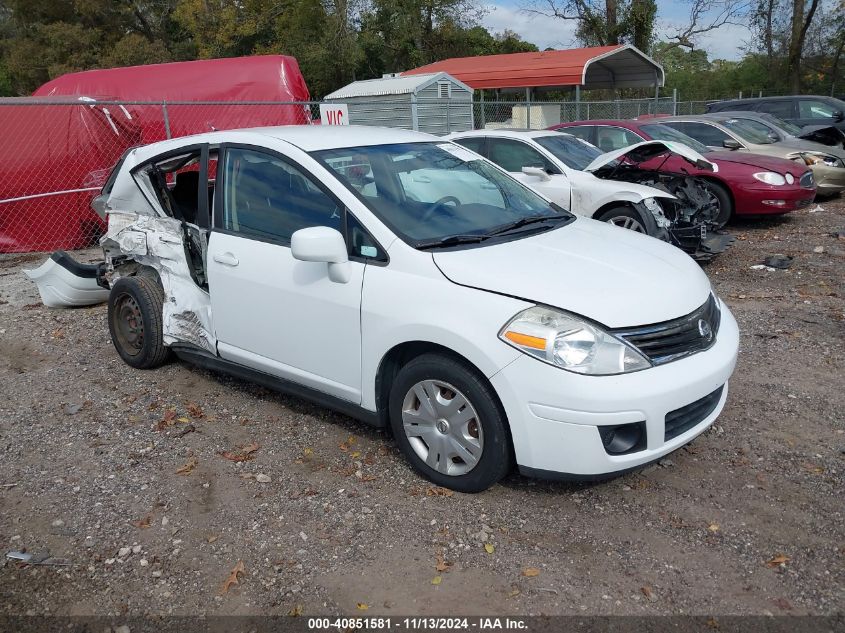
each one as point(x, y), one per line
point(689, 218)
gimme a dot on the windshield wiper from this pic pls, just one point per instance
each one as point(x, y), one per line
point(506, 228)
point(451, 240)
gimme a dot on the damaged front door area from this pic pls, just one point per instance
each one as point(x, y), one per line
point(166, 234)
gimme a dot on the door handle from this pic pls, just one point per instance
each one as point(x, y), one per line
point(227, 259)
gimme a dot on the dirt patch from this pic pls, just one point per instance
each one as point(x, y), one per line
point(90, 451)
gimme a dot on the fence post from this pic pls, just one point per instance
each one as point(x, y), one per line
point(674, 101)
point(483, 115)
point(448, 120)
point(577, 102)
point(166, 118)
point(528, 107)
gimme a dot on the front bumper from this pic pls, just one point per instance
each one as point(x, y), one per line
point(829, 180)
point(554, 414)
point(749, 199)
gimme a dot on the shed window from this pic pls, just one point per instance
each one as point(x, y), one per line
point(444, 90)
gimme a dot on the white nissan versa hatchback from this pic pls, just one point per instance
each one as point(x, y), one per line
point(410, 283)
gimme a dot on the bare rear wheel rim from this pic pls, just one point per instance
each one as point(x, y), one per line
point(129, 324)
point(442, 427)
point(625, 222)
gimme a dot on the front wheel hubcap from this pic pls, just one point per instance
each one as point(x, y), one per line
point(442, 427)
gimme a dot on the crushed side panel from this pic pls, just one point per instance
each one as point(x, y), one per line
point(134, 240)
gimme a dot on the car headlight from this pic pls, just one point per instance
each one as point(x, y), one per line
point(770, 178)
point(790, 179)
point(815, 158)
point(571, 343)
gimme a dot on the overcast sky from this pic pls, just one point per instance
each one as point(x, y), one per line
point(723, 43)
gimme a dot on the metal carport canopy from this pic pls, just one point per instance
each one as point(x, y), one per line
point(618, 66)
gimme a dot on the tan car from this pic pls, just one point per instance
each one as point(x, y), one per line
point(724, 132)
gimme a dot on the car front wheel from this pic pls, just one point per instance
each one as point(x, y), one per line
point(629, 218)
point(449, 423)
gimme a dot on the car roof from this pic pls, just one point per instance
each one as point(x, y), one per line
point(308, 138)
point(506, 133)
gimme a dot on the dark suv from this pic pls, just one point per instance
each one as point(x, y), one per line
point(801, 110)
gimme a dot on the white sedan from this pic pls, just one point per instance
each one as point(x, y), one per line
point(562, 167)
point(483, 324)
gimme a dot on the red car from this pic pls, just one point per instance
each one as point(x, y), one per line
point(745, 184)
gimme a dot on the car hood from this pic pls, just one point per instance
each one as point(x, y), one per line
point(824, 134)
point(611, 275)
point(769, 163)
point(645, 151)
point(794, 144)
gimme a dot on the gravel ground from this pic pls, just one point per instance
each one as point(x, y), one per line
point(129, 476)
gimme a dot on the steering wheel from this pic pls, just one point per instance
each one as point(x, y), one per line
point(426, 215)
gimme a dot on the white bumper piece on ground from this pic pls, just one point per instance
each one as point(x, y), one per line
point(65, 283)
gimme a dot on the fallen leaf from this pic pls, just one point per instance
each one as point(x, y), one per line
point(144, 522)
point(437, 580)
point(777, 560)
point(647, 592)
point(296, 611)
point(488, 547)
point(188, 467)
point(307, 452)
point(782, 604)
point(344, 446)
point(233, 577)
point(195, 411)
point(245, 454)
point(355, 454)
point(182, 419)
point(713, 623)
point(438, 491)
point(513, 593)
point(530, 572)
point(211, 538)
point(362, 606)
point(713, 528)
point(442, 565)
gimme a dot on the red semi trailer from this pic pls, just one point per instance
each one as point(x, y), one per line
point(59, 145)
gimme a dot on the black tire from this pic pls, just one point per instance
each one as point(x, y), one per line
point(619, 214)
point(489, 422)
point(726, 206)
point(135, 321)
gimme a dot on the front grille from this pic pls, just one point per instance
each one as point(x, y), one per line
point(671, 340)
point(682, 420)
point(807, 180)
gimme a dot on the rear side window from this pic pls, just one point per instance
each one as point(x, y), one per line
point(781, 109)
point(584, 132)
point(476, 144)
point(815, 109)
point(701, 132)
point(513, 155)
point(610, 138)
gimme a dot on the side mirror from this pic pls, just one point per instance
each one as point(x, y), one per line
point(838, 116)
point(731, 144)
point(536, 171)
point(322, 244)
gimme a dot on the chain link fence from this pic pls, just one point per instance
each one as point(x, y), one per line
point(57, 154)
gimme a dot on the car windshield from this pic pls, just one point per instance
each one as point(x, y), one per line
point(571, 151)
point(431, 193)
point(660, 132)
point(750, 131)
